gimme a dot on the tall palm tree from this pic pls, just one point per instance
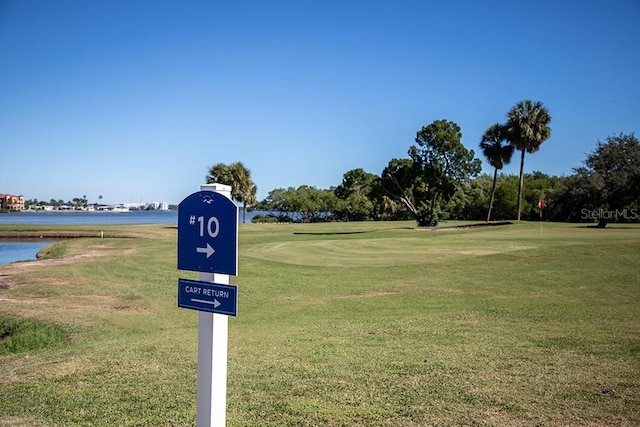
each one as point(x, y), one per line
point(527, 128)
point(243, 189)
point(497, 154)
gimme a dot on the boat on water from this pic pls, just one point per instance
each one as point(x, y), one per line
point(116, 208)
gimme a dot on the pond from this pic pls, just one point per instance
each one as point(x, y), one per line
point(21, 250)
point(12, 250)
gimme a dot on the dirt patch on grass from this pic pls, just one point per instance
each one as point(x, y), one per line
point(21, 421)
point(371, 294)
point(9, 271)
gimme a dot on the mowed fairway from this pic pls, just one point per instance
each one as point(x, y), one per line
point(342, 324)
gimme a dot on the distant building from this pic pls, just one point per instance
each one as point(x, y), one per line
point(11, 202)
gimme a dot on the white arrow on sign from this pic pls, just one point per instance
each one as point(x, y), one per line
point(208, 250)
point(215, 303)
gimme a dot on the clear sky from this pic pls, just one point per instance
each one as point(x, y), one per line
point(135, 100)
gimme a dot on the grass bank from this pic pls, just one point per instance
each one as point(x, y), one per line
point(371, 324)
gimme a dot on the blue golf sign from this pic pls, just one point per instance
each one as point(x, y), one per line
point(208, 234)
point(207, 296)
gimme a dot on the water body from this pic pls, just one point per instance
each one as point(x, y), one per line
point(23, 250)
point(84, 218)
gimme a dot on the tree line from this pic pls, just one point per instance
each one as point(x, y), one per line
point(441, 179)
point(76, 203)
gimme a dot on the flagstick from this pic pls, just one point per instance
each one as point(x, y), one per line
point(540, 207)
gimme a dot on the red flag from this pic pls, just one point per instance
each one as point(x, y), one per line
point(540, 204)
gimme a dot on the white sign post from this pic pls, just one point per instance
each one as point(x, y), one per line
point(213, 335)
point(208, 243)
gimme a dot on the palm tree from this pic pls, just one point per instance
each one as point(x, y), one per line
point(243, 189)
point(497, 154)
point(527, 128)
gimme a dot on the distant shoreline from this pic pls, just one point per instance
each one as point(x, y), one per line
point(90, 218)
point(38, 211)
point(58, 235)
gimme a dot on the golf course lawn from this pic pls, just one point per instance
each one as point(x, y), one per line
point(339, 324)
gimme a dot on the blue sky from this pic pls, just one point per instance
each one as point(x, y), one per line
point(134, 100)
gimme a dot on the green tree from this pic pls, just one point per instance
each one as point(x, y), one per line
point(32, 204)
point(303, 204)
point(313, 204)
point(355, 194)
point(443, 163)
point(539, 186)
point(497, 154)
point(78, 202)
point(401, 181)
point(575, 194)
point(527, 128)
point(277, 201)
point(243, 189)
point(470, 200)
point(613, 172)
point(504, 204)
point(385, 207)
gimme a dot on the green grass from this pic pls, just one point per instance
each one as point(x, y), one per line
point(359, 324)
point(23, 335)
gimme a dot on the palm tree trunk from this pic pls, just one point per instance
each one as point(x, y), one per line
point(520, 185)
point(244, 212)
point(493, 192)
